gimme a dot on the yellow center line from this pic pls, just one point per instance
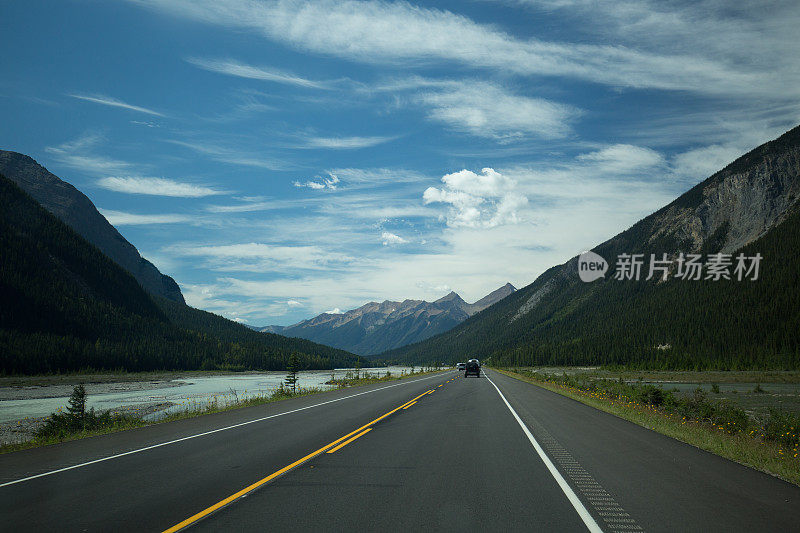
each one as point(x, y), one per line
point(404, 407)
point(351, 439)
point(360, 431)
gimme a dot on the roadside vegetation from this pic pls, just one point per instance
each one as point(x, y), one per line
point(359, 377)
point(76, 422)
point(769, 441)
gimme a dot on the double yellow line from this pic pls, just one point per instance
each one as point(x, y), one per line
point(330, 448)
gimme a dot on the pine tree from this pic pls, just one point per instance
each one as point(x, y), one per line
point(77, 406)
point(293, 368)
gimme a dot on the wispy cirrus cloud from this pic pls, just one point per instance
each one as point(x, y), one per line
point(226, 154)
point(376, 177)
point(156, 187)
point(344, 143)
point(114, 102)
point(122, 218)
point(480, 107)
point(488, 110)
point(257, 257)
point(367, 31)
point(248, 205)
point(329, 182)
point(232, 67)
point(748, 34)
point(81, 154)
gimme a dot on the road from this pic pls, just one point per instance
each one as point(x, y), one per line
point(439, 453)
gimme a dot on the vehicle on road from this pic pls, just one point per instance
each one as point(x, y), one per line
point(461, 366)
point(472, 367)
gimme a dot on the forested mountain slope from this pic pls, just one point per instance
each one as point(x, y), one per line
point(66, 306)
point(75, 209)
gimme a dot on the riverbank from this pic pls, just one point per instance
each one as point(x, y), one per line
point(20, 433)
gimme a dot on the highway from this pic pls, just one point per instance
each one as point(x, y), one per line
point(442, 452)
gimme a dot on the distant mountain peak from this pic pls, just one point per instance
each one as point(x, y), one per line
point(492, 298)
point(452, 296)
point(376, 327)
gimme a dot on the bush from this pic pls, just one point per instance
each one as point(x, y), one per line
point(78, 420)
point(651, 395)
point(730, 418)
point(778, 425)
point(782, 426)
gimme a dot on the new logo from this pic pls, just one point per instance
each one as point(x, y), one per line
point(591, 266)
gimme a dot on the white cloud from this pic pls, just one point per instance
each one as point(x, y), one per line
point(731, 139)
point(79, 154)
point(700, 163)
point(121, 218)
point(751, 33)
point(330, 182)
point(487, 199)
point(622, 159)
point(294, 303)
point(213, 298)
point(231, 67)
point(147, 123)
point(261, 257)
point(487, 110)
point(156, 187)
point(391, 238)
point(374, 177)
point(368, 31)
point(437, 289)
point(245, 207)
point(113, 102)
point(233, 156)
point(344, 143)
point(334, 311)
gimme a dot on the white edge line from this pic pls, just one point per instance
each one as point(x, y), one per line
point(138, 450)
point(570, 494)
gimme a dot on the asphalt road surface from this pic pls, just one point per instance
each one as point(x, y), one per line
point(443, 452)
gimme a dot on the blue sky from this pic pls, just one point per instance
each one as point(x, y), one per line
point(281, 159)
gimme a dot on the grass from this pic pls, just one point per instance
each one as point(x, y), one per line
point(769, 444)
point(62, 429)
point(120, 423)
point(705, 376)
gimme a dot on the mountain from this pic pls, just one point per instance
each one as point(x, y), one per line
point(77, 211)
point(377, 327)
point(65, 307)
point(749, 207)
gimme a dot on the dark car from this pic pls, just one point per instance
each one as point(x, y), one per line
point(473, 367)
